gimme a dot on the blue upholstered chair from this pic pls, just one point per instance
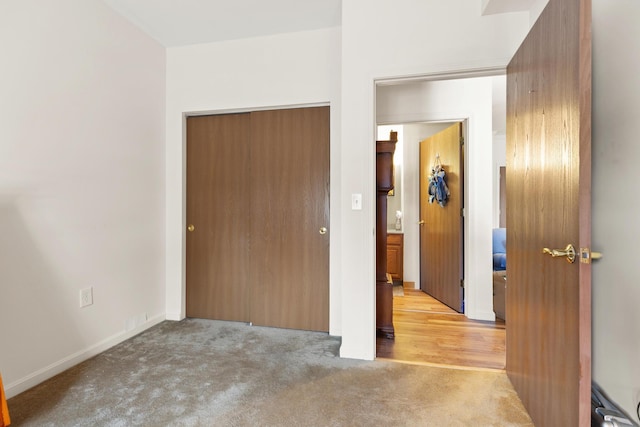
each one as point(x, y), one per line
point(499, 249)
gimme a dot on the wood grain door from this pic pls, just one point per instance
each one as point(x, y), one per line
point(548, 205)
point(290, 206)
point(441, 230)
point(218, 208)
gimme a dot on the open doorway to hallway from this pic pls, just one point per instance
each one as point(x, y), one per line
point(429, 332)
point(426, 330)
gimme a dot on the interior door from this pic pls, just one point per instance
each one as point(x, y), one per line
point(217, 256)
point(548, 206)
point(290, 228)
point(441, 227)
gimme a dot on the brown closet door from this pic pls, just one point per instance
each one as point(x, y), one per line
point(218, 188)
point(290, 206)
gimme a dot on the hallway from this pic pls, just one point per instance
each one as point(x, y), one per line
point(429, 332)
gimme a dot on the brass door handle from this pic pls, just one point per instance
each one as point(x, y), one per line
point(191, 227)
point(323, 230)
point(568, 252)
point(421, 222)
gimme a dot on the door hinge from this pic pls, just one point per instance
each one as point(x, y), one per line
point(462, 140)
point(462, 212)
point(462, 283)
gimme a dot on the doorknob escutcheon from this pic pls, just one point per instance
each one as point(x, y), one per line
point(568, 252)
point(323, 230)
point(191, 227)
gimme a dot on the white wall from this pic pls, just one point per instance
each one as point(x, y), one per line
point(499, 160)
point(616, 156)
point(266, 72)
point(467, 100)
point(499, 106)
point(81, 184)
point(388, 39)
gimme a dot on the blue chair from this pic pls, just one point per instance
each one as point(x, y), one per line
point(499, 272)
point(499, 249)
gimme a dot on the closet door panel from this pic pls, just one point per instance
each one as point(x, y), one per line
point(290, 218)
point(218, 204)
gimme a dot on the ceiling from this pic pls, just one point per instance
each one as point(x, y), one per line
point(184, 22)
point(490, 7)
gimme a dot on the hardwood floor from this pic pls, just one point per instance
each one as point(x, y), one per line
point(429, 332)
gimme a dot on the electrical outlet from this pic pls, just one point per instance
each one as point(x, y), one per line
point(86, 297)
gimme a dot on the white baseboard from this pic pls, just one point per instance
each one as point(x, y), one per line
point(482, 315)
point(54, 369)
point(352, 352)
point(175, 316)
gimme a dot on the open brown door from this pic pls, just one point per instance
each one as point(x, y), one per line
point(549, 206)
point(441, 227)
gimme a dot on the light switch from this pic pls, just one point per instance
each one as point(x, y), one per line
point(356, 202)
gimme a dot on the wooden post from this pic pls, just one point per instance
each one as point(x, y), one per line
point(384, 184)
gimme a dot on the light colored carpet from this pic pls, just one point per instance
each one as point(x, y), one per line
point(212, 373)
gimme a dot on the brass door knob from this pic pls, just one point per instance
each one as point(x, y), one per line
point(323, 230)
point(421, 222)
point(568, 252)
point(191, 227)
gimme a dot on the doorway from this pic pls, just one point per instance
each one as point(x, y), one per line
point(420, 109)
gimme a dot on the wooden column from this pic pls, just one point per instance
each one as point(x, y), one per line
point(384, 184)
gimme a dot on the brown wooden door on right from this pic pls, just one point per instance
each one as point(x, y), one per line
point(548, 300)
point(441, 227)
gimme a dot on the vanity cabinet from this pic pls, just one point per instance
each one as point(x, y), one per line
point(395, 243)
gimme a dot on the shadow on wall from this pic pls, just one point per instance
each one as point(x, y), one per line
point(35, 329)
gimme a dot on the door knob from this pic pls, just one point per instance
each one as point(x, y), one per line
point(421, 222)
point(568, 252)
point(323, 230)
point(191, 227)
